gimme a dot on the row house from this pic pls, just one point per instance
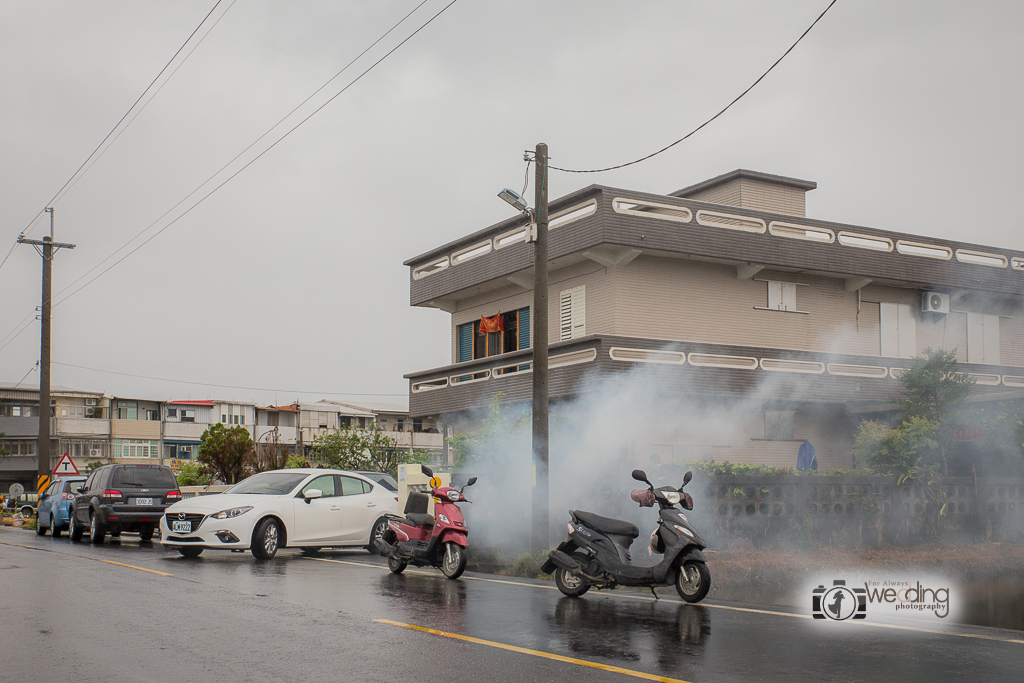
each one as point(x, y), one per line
point(725, 291)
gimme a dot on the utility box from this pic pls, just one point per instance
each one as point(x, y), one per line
point(413, 478)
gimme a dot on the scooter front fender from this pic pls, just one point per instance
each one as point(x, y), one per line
point(454, 536)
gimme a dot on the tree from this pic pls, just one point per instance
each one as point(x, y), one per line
point(93, 466)
point(193, 474)
point(934, 389)
point(372, 449)
point(270, 454)
point(227, 452)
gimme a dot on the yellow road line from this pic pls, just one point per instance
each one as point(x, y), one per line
point(18, 545)
point(535, 653)
point(132, 566)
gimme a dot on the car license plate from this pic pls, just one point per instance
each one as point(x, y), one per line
point(181, 527)
point(143, 501)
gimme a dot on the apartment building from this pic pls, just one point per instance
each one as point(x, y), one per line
point(730, 291)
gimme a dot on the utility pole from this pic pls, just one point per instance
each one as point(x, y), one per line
point(540, 353)
point(46, 248)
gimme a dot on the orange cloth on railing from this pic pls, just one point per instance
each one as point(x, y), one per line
point(495, 324)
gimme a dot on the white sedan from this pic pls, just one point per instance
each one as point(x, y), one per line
point(295, 508)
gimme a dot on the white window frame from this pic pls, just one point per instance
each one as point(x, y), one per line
point(782, 297)
point(897, 325)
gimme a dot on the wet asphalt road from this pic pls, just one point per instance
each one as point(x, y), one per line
point(71, 613)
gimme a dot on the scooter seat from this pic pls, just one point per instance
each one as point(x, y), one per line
point(607, 524)
point(420, 519)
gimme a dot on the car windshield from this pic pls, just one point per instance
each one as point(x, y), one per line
point(269, 483)
point(385, 480)
point(144, 477)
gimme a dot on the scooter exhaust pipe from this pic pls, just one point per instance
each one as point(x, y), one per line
point(383, 546)
point(564, 561)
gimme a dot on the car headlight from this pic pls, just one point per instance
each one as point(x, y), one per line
point(453, 495)
point(673, 497)
point(233, 512)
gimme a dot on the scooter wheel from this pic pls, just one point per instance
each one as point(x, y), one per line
point(396, 566)
point(693, 581)
point(453, 562)
point(572, 586)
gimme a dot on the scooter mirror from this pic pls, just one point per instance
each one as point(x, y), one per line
point(640, 475)
point(427, 471)
point(687, 477)
point(472, 480)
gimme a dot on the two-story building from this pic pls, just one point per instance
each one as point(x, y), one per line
point(730, 292)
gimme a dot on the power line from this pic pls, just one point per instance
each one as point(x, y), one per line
point(221, 386)
point(76, 175)
point(725, 109)
point(27, 319)
point(26, 375)
point(257, 157)
point(237, 156)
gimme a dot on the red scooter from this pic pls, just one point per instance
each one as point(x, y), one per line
point(423, 541)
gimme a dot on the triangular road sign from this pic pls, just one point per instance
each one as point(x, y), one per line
point(65, 467)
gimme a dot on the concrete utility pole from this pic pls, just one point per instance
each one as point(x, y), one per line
point(47, 251)
point(540, 354)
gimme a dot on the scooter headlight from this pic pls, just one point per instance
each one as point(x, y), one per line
point(453, 495)
point(684, 530)
point(673, 497)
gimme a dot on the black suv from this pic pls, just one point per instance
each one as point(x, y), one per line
point(119, 498)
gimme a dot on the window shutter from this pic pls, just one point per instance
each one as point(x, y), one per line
point(788, 296)
point(465, 342)
point(775, 295)
point(524, 328)
point(572, 308)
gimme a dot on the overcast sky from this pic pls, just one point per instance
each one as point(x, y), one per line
point(908, 115)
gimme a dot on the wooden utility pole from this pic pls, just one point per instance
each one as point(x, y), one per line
point(540, 353)
point(46, 248)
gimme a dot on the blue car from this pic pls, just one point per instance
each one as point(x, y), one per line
point(55, 502)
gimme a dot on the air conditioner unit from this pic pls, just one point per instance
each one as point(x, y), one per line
point(91, 401)
point(935, 302)
point(90, 412)
point(94, 452)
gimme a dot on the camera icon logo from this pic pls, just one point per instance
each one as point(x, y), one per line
point(839, 603)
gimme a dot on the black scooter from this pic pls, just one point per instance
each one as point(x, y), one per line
point(597, 550)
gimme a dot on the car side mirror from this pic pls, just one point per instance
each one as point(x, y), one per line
point(472, 480)
point(687, 477)
point(311, 494)
point(640, 475)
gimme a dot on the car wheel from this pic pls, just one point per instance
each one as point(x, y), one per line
point(396, 566)
point(146, 533)
point(27, 511)
point(569, 584)
point(96, 530)
point(40, 529)
point(310, 552)
point(54, 529)
point(453, 562)
point(191, 552)
point(380, 527)
point(265, 539)
point(74, 527)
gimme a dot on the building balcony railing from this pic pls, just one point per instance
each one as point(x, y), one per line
point(864, 383)
point(599, 215)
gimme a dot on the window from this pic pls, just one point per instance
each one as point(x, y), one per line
point(778, 425)
point(136, 448)
point(898, 329)
point(223, 418)
point(235, 418)
point(153, 415)
point(127, 410)
point(172, 413)
point(185, 452)
point(323, 419)
point(472, 344)
point(350, 486)
point(324, 483)
point(15, 411)
point(345, 421)
point(781, 297)
point(572, 313)
point(982, 338)
point(188, 415)
point(273, 419)
point(400, 426)
point(417, 425)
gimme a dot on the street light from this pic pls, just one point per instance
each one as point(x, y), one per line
point(514, 198)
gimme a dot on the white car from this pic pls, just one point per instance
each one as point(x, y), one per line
point(295, 508)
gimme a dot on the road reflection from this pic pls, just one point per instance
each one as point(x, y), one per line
point(427, 599)
point(661, 632)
